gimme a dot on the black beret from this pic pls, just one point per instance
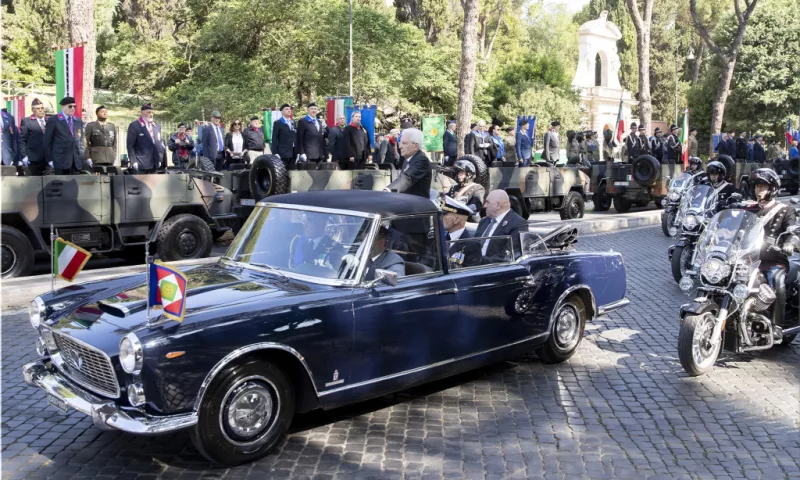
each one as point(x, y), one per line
point(147, 106)
point(35, 102)
point(692, 129)
point(253, 118)
point(67, 100)
point(285, 105)
point(96, 110)
point(555, 123)
point(312, 104)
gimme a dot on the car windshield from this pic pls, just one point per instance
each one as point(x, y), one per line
point(295, 241)
point(732, 234)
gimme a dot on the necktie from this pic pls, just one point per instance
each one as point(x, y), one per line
point(218, 130)
point(69, 122)
point(447, 237)
point(41, 124)
point(488, 233)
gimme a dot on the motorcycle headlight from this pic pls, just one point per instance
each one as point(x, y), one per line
point(715, 270)
point(131, 354)
point(36, 310)
point(690, 222)
point(674, 196)
point(740, 292)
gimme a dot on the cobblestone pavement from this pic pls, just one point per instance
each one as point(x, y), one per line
point(620, 408)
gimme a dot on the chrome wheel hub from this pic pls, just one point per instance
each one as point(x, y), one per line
point(702, 347)
point(247, 411)
point(566, 326)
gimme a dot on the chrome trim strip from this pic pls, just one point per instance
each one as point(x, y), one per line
point(59, 362)
point(564, 295)
point(311, 208)
point(426, 367)
point(241, 351)
point(612, 306)
point(333, 282)
point(105, 415)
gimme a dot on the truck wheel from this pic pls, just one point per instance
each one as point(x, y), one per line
point(244, 413)
point(517, 207)
point(268, 176)
point(642, 203)
point(730, 165)
point(481, 172)
point(601, 199)
point(567, 332)
point(205, 164)
point(573, 206)
point(16, 252)
point(622, 204)
point(183, 237)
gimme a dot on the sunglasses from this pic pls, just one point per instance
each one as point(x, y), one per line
point(71, 106)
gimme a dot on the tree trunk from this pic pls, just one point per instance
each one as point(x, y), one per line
point(645, 104)
point(698, 62)
point(718, 108)
point(494, 35)
point(466, 77)
point(483, 21)
point(80, 17)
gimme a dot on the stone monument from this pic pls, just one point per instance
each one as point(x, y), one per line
point(597, 76)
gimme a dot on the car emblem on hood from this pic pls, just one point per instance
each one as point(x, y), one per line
point(77, 359)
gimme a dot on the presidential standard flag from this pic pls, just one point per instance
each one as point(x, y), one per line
point(685, 138)
point(16, 106)
point(433, 133)
point(69, 76)
point(68, 259)
point(167, 290)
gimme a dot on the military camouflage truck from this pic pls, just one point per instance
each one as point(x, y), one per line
point(789, 171)
point(538, 188)
point(111, 214)
point(645, 180)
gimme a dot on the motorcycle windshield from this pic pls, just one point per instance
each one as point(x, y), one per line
point(680, 182)
point(699, 198)
point(731, 235)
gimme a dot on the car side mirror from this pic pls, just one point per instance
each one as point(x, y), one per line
point(795, 201)
point(386, 277)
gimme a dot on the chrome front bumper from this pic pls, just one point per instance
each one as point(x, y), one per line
point(105, 414)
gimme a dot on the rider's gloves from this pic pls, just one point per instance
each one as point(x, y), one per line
point(787, 248)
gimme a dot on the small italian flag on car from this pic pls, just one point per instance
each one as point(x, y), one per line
point(68, 259)
point(167, 289)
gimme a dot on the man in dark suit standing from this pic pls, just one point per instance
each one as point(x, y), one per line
point(63, 140)
point(415, 177)
point(334, 137)
point(32, 140)
point(284, 137)
point(500, 220)
point(759, 155)
point(357, 142)
point(732, 144)
point(310, 140)
point(524, 145)
point(253, 140)
point(460, 253)
point(213, 141)
point(450, 144)
point(10, 138)
point(145, 148)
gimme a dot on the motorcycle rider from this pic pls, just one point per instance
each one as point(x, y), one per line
point(716, 178)
point(695, 165)
point(466, 190)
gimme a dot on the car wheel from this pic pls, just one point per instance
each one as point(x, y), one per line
point(244, 414)
point(601, 199)
point(566, 332)
point(16, 253)
point(183, 237)
point(622, 204)
point(573, 206)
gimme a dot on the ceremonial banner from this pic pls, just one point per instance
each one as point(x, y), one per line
point(16, 106)
point(685, 138)
point(69, 76)
point(433, 133)
point(167, 289)
point(367, 119)
point(789, 137)
point(68, 259)
point(336, 107)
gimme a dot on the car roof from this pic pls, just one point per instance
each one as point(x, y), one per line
point(385, 204)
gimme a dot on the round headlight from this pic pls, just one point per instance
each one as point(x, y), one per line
point(686, 284)
point(36, 310)
point(690, 222)
point(131, 354)
point(740, 292)
point(715, 270)
point(674, 196)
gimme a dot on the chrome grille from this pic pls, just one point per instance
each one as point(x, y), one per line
point(87, 366)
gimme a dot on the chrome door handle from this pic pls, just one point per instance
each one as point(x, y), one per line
point(448, 291)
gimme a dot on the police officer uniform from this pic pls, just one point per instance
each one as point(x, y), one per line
point(644, 142)
point(101, 141)
point(632, 145)
point(673, 146)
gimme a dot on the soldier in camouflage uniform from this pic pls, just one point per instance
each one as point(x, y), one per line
point(101, 139)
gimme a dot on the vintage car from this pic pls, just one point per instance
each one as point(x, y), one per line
point(297, 317)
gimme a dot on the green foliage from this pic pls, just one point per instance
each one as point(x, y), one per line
point(532, 69)
point(31, 32)
point(548, 103)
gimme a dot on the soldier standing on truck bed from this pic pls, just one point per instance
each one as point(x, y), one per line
point(632, 146)
point(101, 139)
point(674, 147)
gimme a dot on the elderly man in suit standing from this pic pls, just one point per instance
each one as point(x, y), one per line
point(145, 147)
point(284, 137)
point(63, 140)
point(552, 143)
point(500, 220)
point(32, 140)
point(450, 144)
point(310, 139)
point(213, 141)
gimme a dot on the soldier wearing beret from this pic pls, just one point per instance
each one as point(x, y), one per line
point(63, 140)
point(101, 139)
point(32, 140)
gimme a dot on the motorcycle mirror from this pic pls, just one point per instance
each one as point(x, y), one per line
point(795, 201)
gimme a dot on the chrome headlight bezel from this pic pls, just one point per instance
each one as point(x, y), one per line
point(690, 222)
point(715, 271)
point(674, 196)
point(131, 354)
point(36, 311)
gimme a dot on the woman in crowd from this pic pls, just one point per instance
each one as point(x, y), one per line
point(497, 149)
point(234, 144)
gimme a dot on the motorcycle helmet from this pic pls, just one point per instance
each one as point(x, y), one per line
point(468, 168)
point(765, 176)
point(718, 168)
point(698, 162)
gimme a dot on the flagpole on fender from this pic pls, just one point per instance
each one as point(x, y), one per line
point(147, 274)
point(52, 258)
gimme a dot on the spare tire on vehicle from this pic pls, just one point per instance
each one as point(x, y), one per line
point(481, 172)
point(203, 164)
point(730, 166)
point(794, 166)
point(646, 170)
point(268, 176)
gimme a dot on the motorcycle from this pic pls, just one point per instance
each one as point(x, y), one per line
point(677, 187)
point(734, 305)
point(698, 205)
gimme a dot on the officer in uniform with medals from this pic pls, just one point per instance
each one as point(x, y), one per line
point(460, 253)
point(101, 139)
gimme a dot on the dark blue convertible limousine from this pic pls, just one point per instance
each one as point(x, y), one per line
point(298, 316)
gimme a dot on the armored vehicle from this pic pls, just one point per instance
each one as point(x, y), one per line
point(639, 183)
point(541, 187)
point(789, 171)
point(111, 213)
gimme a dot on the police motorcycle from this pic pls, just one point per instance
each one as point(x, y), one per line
point(698, 205)
point(734, 306)
point(677, 187)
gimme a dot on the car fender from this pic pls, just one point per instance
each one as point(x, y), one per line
point(585, 291)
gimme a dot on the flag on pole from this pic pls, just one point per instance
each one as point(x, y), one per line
point(68, 259)
point(367, 118)
point(789, 137)
point(336, 107)
point(268, 118)
point(167, 290)
point(531, 131)
point(620, 125)
point(685, 139)
point(69, 76)
point(16, 106)
point(433, 133)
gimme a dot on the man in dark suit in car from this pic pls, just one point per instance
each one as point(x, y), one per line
point(315, 246)
point(500, 221)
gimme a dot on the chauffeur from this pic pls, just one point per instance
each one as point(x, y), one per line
point(101, 136)
point(381, 258)
point(454, 218)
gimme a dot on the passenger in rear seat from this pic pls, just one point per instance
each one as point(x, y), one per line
point(381, 258)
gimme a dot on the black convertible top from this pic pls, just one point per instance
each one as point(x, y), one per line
point(367, 201)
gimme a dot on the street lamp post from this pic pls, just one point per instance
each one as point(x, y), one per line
point(689, 56)
point(351, 48)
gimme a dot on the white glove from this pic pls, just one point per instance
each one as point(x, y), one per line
point(136, 165)
point(25, 161)
point(89, 161)
point(51, 164)
point(350, 264)
point(788, 249)
point(303, 157)
point(387, 190)
point(484, 145)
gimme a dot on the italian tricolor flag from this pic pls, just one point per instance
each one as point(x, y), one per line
point(685, 138)
point(268, 117)
point(336, 107)
point(69, 76)
point(16, 106)
point(68, 259)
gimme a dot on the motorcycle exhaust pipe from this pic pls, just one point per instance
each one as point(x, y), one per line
point(744, 335)
point(769, 334)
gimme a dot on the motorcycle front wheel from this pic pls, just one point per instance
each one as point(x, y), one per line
point(681, 258)
point(695, 351)
point(668, 223)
